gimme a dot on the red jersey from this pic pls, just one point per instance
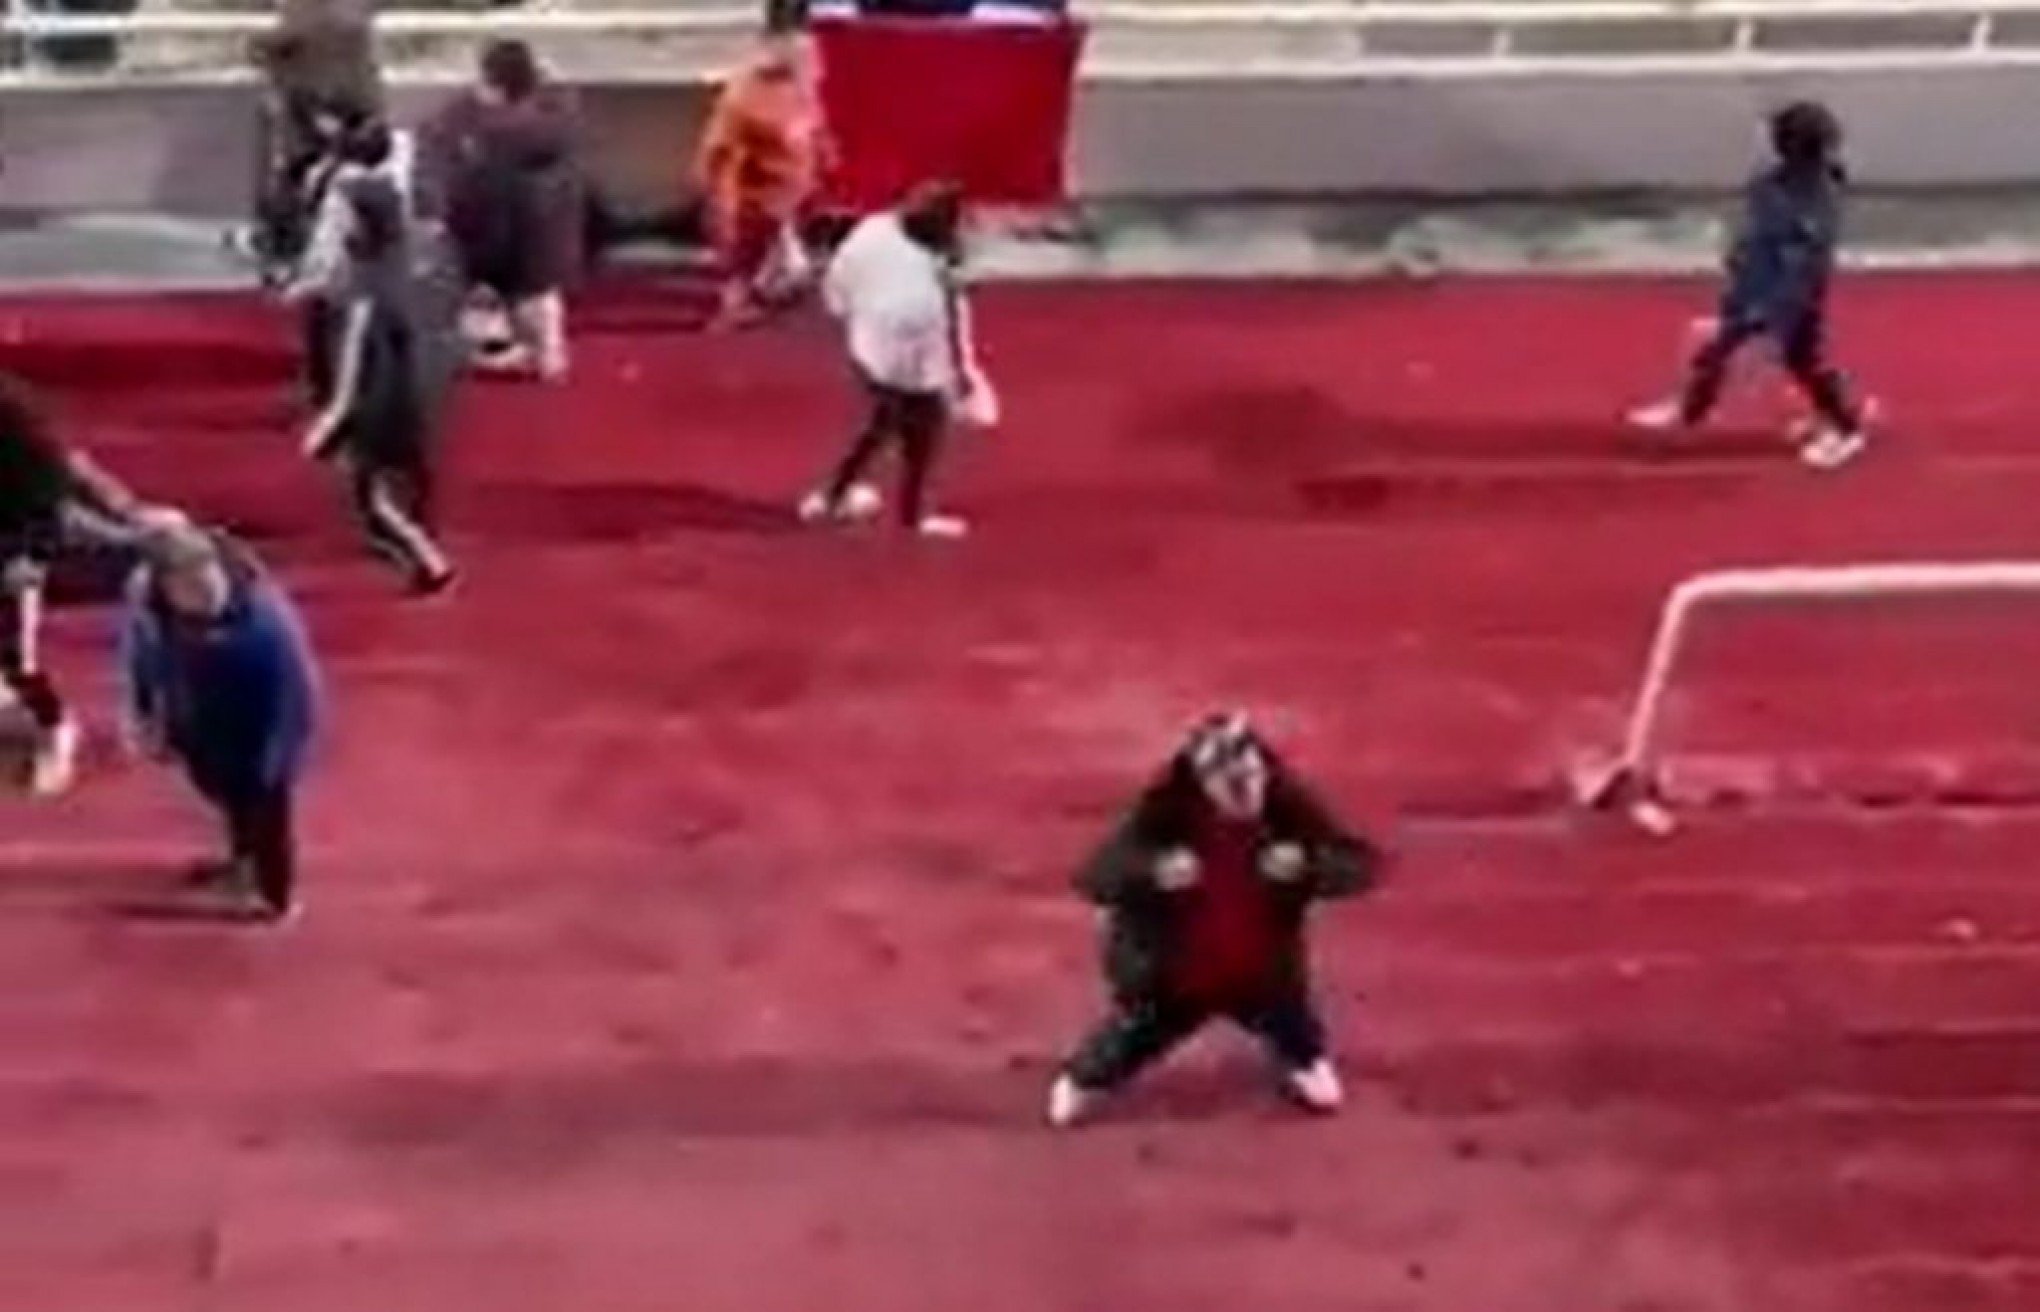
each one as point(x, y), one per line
point(1229, 935)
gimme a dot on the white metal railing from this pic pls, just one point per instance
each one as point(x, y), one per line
point(1163, 36)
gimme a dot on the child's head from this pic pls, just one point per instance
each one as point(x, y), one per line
point(336, 118)
point(367, 143)
point(932, 216)
point(1806, 135)
point(509, 71)
point(185, 564)
point(1230, 765)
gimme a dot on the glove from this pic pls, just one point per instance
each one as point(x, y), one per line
point(20, 575)
point(1283, 863)
point(1176, 870)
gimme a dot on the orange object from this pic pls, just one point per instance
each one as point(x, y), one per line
point(762, 153)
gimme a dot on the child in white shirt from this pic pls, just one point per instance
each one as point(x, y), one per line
point(894, 285)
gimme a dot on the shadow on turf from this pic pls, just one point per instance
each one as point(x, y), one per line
point(1301, 429)
point(187, 910)
point(144, 892)
point(553, 1117)
point(619, 512)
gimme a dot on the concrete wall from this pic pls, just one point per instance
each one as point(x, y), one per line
point(188, 150)
point(1929, 128)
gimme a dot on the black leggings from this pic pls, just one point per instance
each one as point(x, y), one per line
point(29, 684)
point(260, 837)
point(1140, 1032)
point(1803, 351)
point(319, 323)
point(394, 504)
point(915, 420)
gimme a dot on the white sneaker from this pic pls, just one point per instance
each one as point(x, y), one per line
point(56, 761)
point(1068, 1103)
point(1658, 417)
point(860, 503)
point(942, 526)
point(1317, 1087)
point(1831, 448)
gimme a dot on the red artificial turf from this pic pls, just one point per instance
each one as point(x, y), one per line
point(687, 919)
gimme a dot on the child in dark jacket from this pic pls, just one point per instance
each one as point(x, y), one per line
point(220, 677)
point(50, 497)
point(1206, 887)
point(391, 367)
point(1778, 275)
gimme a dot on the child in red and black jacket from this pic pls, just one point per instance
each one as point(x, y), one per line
point(1207, 886)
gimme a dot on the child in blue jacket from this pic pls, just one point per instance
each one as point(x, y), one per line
point(1778, 275)
point(221, 677)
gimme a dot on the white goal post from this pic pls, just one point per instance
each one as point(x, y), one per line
point(1632, 780)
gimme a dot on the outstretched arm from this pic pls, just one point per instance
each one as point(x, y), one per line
point(99, 490)
point(353, 343)
point(142, 661)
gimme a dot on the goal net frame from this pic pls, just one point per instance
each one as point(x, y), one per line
point(1632, 780)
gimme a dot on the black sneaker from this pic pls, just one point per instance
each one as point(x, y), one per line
point(430, 584)
point(217, 873)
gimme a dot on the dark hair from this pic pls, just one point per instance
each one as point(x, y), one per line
point(1807, 135)
point(932, 216)
point(1167, 810)
point(368, 144)
point(511, 68)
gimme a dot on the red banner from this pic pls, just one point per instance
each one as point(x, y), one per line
point(986, 105)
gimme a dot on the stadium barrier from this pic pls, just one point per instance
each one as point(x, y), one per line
point(1161, 38)
point(1445, 97)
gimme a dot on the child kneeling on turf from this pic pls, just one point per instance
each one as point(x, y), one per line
point(220, 678)
point(1778, 275)
point(1206, 887)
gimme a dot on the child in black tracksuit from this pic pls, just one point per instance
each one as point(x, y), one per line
point(47, 494)
point(388, 387)
point(1778, 275)
point(1207, 886)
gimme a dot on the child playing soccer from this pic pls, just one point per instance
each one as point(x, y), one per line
point(47, 494)
point(386, 390)
point(759, 159)
point(364, 147)
point(1206, 888)
point(1778, 275)
point(895, 286)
